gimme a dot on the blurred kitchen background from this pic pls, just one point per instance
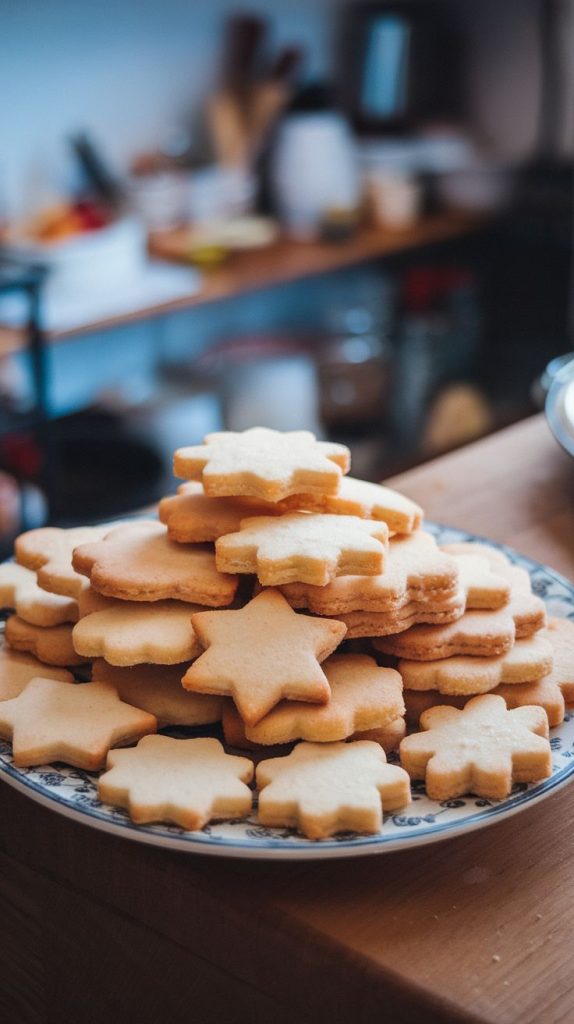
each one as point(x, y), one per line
point(352, 218)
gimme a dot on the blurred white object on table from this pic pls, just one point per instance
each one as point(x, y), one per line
point(161, 199)
point(394, 199)
point(315, 171)
point(96, 276)
point(219, 193)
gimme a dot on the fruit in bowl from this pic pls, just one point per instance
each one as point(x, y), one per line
point(66, 219)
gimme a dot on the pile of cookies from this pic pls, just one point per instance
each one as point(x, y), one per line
point(287, 605)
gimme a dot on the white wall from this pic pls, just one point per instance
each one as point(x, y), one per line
point(126, 71)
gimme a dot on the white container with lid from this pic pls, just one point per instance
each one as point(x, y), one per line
point(314, 171)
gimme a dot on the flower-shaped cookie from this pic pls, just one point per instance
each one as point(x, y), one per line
point(52, 645)
point(49, 549)
point(188, 782)
point(543, 693)
point(481, 633)
point(388, 736)
point(304, 546)
point(324, 788)
point(365, 500)
point(74, 723)
point(363, 696)
point(138, 562)
point(193, 518)
point(361, 624)
point(415, 570)
point(19, 590)
point(263, 463)
point(158, 689)
point(261, 653)
point(133, 632)
point(529, 660)
point(482, 749)
point(16, 671)
point(556, 689)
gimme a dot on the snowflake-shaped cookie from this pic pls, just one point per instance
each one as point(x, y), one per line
point(482, 749)
point(187, 782)
point(366, 500)
point(306, 547)
point(415, 571)
point(324, 788)
point(263, 463)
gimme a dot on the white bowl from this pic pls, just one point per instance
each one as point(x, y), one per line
point(92, 260)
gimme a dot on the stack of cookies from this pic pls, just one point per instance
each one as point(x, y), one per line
point(297, 606)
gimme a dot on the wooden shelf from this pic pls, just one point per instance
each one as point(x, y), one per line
point(275, 264)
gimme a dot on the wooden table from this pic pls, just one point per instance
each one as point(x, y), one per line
point(478, 928)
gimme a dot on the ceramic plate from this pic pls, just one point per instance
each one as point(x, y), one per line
point(560, 407)
point(72, 792)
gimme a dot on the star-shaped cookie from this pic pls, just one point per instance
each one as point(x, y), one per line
point(19, 590)
point(138, 562)
point(482, 749)
point(365, 500)
point(16, 671)
point(48, 550)
point(263, 463)
point(262, 653)
point(304, 546)
point(324, 788)
point(133, 633)
point(187, 782)
point(74, 723)
point(363, 696)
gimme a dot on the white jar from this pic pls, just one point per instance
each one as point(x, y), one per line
point(314, 171)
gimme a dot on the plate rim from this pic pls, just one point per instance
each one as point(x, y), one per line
point(278, 849)
point(562, 382)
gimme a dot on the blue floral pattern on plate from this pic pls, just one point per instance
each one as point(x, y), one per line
point(72, 792)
